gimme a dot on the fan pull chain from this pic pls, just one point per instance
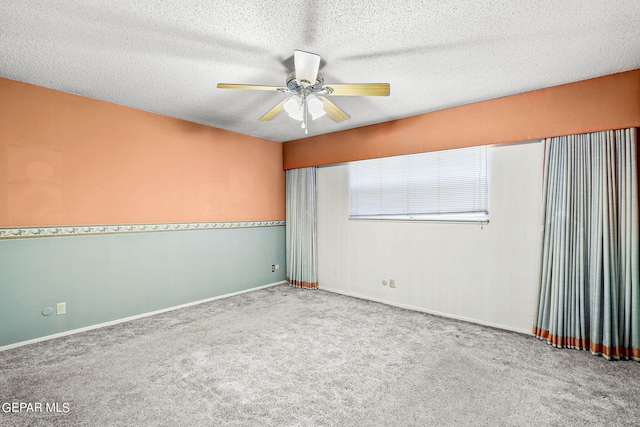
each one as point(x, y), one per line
point(305, 115)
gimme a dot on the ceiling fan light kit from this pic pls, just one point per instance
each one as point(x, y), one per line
point(295, 107)
point(306, 87)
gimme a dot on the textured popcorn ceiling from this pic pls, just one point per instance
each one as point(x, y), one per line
point(168, 56)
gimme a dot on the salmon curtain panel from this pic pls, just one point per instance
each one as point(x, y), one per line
point(590, 295)
point(301, 228)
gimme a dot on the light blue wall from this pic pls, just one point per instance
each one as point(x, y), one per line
point(108, 277)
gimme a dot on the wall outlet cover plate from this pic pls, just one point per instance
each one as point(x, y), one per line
point(61, 308)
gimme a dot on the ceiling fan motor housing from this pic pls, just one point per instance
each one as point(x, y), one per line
point(305, 88)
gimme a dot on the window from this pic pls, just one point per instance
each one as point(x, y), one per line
point(446, 185)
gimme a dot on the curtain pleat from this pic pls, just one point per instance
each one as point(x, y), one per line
point(301, 228)
point(589, 293)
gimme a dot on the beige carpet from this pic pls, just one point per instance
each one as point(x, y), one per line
point(289, 357)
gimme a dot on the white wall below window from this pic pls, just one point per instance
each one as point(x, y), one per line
point(487, 275)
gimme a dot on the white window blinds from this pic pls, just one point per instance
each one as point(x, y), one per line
point(449, 184)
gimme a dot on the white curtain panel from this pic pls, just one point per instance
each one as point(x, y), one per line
point(590, 292)
point(301, 228)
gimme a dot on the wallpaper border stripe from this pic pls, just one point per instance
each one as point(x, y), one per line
point(84, 230)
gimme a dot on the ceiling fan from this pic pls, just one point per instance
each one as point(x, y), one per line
point(307, 88)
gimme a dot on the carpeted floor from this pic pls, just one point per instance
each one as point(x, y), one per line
point(288, 357)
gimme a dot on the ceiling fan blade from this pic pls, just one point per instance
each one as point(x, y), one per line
point(306, 65)
point(249, 87)
point(273, 113)
point(336, 113)
point(360, 89)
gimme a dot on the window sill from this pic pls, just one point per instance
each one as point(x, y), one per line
point(464, 219)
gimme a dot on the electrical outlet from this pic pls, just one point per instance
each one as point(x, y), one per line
point(392, 283)
point(61, 308)
point(273, 268)
point(384, 283)
point(277, 266)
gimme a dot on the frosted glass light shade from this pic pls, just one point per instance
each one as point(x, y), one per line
point(316, 109)
point(294, 107)
point(306, 65)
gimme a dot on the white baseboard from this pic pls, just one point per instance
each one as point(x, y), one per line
point(424, 310)
point(137, 316)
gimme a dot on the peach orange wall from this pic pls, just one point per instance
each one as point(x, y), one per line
point(71, 160)
point(609, 102)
